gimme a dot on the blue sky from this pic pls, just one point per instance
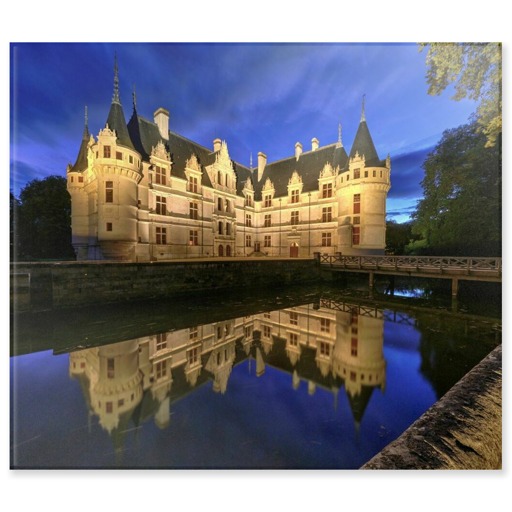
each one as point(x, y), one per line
point(257, 97)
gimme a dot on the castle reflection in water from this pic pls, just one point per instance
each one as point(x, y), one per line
point(336, 346)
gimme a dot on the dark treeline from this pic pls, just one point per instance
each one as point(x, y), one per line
point(40, 221)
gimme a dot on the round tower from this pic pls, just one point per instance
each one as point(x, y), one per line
point(363, 186)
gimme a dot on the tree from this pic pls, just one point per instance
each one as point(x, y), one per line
point(398, 237)
point(461, 209)
point(43, 225)
point(475, 70)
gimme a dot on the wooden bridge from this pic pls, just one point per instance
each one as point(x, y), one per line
point(441, 267)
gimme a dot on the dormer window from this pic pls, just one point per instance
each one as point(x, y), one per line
point(295, 196)
point(326, 190)
point(357, 174)
point(160, 178)
point(268, 200)
point(193, 185)
point(106, 151)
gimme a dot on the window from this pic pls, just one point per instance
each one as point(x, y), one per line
point(357, 203)
point(193, 355)
point(325, 348)
point(160, 178)
point(221, 228)
point(228, 206)
point(366, 174)
point(161, 205)
point(161, 235)
point(325, 325)
point(80, 179)
point(106, 151)
point(109, 191)
point(326, 239)
point(267, 241)
point(266, 331)
point(193, 184)
point(248, 241)
point(327, 214)
point(374, 174)
point(109, 407)
point(161, 369)
point(219, 178)
point(248, 201)
point(294, 318)
point(353, 347)
point(119, 155)
point(130, 159)
point(194, 211)
point(228, 228)
point(226, 181)
point(294, 218)
point(326, 190)
point(109, 226)
point(192, 333)
point(353, 376)
point(248, 220)
point(381, 174)
point(266, 314)
point(219, 204)
point(120, 402)
point(193, 237)
point(295, 196)
point(357, 220)
point(357, 174)
point(248, 331)
point(268, 220)
point(161, 341)
point(268, 201)
point(110, 368)
point(219, 332)
point(356, 235)
point(293, 339)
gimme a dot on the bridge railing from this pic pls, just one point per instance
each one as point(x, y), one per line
point(421, 264)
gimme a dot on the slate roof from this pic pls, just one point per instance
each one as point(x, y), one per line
point(308, 166)
point(145, 135)
point(81, 160)
point(117, 122)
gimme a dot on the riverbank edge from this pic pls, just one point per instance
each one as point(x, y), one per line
point(463, 430)
point(60, 285)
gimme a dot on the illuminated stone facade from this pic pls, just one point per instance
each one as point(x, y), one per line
point(140, 192)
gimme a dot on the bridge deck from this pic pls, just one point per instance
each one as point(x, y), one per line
point(447, 267)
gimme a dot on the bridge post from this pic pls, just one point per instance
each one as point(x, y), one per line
point(455, 287)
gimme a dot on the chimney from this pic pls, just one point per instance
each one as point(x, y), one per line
point(298, 150)
point(217, 143)
point(161, 117)
point(314, 144)
point(262, 162)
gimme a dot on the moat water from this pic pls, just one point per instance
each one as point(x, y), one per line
point(300, 378)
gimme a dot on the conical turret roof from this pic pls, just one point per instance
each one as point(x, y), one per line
point(363, 144)
point(116, 120)
point(81, 160)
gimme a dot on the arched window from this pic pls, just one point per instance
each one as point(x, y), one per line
point(221, 250)
point(228, 250)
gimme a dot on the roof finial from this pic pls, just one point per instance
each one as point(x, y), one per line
point(134, 96)
point(340, 143)
point(86, 117)
point(363, 116)
point(115, 98)
point(250, 161)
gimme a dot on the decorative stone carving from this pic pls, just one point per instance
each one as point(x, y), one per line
point(248, 185)
point(193, 164)
point(222, 158)
point(159, 151)
point(296, 179)
point(328, 171)
point(268, 185)
point(107, 132)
